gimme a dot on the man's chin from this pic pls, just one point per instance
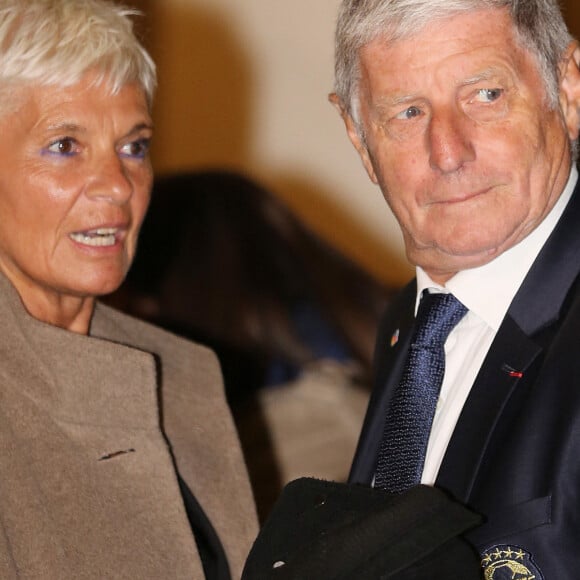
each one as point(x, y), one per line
point(445, 263)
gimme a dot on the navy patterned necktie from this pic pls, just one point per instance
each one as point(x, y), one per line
point(410, 414)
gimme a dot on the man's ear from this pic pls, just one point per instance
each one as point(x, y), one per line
point(354, 136)
point(570, 89)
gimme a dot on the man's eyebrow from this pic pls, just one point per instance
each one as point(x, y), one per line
point(388, 101)
point(483, 75)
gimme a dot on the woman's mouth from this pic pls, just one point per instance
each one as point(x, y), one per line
point(100, 237)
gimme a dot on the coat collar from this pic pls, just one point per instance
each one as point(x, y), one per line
point(540, 299)
point(79, 375)
point(390, 354)
point(537, 305)
point(89, 405)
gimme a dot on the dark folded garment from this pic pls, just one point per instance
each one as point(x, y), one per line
point(323, 530)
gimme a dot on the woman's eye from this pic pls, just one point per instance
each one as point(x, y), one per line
point(138, 149)
point(410, 113)
point(65, 146)
point(488, 95)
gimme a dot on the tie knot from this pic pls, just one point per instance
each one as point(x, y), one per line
point(437, 316)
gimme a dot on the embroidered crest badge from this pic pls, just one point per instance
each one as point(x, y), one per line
point(509, 562)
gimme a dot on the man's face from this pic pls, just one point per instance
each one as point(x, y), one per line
point(461, 138)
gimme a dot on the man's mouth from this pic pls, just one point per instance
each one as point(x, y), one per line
point(463, 197)
point(100, 237)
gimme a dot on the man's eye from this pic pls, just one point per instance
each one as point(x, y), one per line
point(138, 149)
point(488, 95)
point(410, 113)
point(65, 146)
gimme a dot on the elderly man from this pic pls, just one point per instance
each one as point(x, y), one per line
point(466, 113)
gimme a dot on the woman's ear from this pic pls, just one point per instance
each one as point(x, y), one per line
point(570, 89)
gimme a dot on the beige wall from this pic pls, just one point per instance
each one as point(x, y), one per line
point(572, 13)
point(244, 84)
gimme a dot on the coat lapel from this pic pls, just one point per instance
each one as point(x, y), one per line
point(517, 345)
point(495, 383)
point(391, 350)
point(80, 427)
point(536, 306)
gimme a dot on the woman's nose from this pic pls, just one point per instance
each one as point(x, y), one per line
point(110, 180)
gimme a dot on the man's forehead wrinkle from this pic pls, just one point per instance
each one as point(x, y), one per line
point(484, 67)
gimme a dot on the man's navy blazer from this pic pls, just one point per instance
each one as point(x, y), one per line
point(514, 456)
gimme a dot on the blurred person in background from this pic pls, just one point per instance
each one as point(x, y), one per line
point(223, 261)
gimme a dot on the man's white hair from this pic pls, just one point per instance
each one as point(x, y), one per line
point(538, 24)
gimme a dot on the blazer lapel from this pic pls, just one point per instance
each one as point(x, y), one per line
point(392, 346)
point(495, 383)
point(536, 306)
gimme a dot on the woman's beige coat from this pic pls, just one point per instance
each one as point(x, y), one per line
point(88, 487)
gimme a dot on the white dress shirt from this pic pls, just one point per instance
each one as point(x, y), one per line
point(487, 292)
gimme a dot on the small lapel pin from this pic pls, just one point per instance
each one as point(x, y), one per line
point(512, 372)
point(395, 338)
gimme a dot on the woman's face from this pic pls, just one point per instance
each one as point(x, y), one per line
point(75, 179)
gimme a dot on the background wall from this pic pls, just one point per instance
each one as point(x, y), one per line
point(244, 85)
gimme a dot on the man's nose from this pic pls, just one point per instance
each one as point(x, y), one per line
point(449, 141)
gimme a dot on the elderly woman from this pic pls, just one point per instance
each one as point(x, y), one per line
point(118, 455)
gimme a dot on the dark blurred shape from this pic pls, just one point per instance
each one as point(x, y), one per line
point(222, 261)
point(352, 532)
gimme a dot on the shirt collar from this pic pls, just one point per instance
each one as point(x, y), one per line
point(488, 290)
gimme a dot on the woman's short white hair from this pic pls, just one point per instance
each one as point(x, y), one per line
point(50, 42)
